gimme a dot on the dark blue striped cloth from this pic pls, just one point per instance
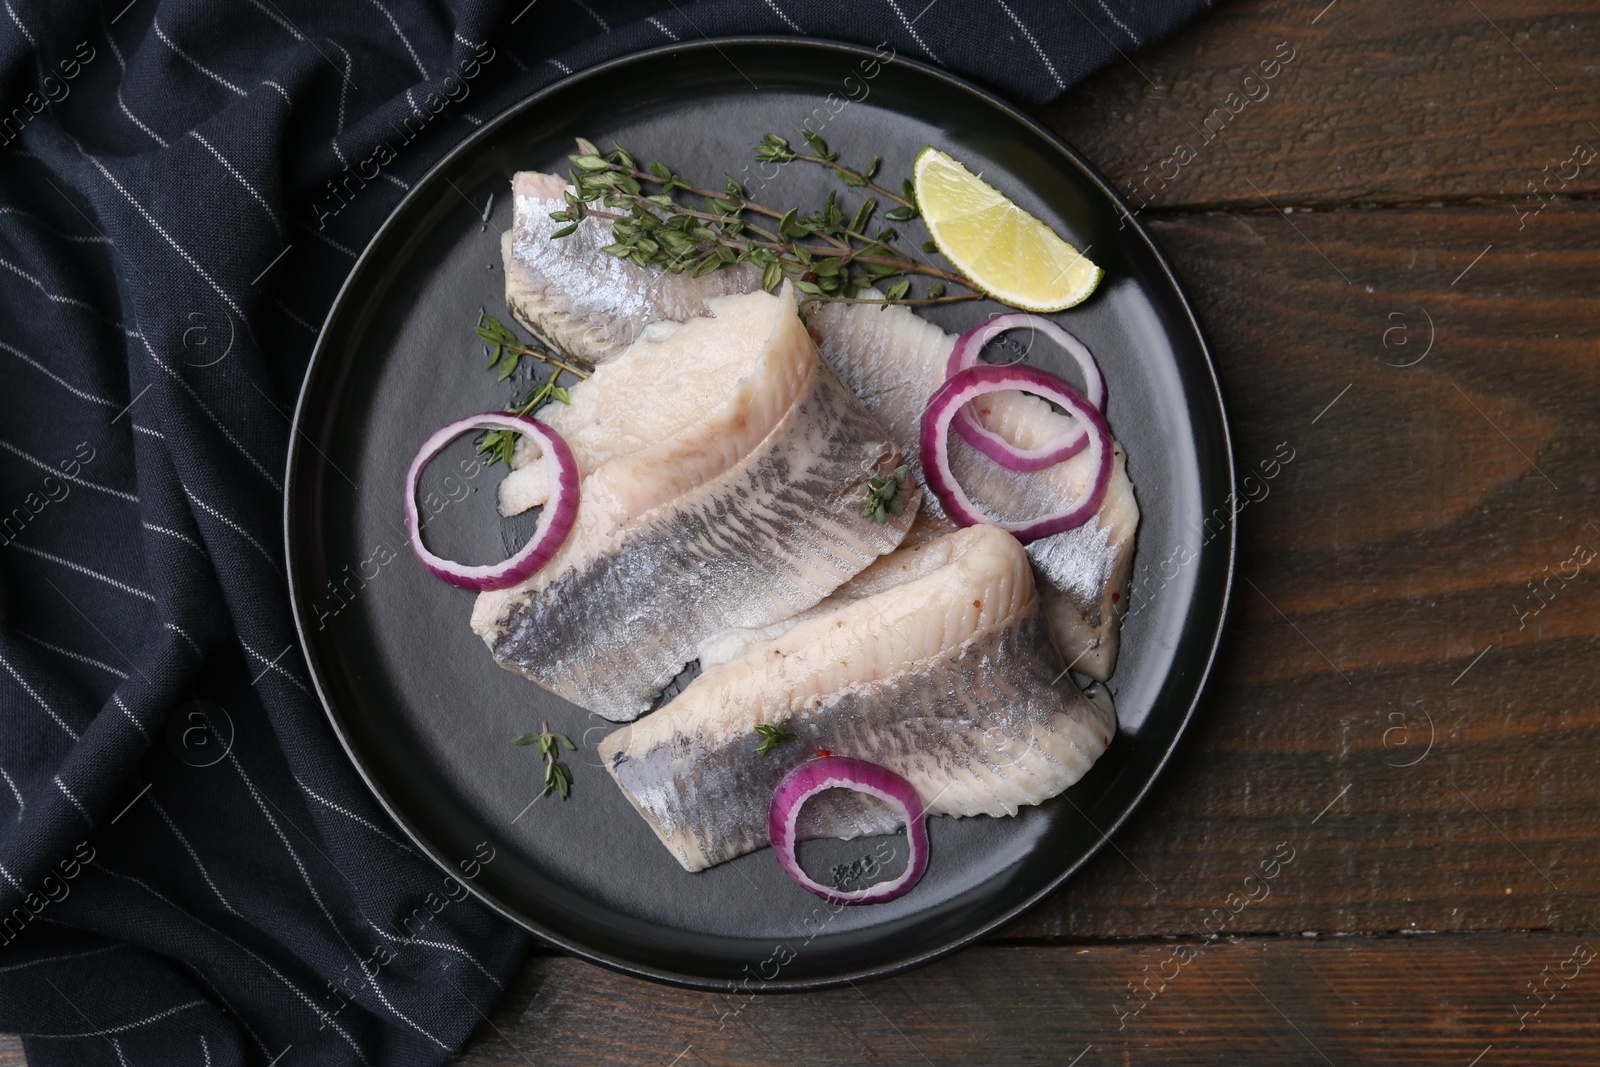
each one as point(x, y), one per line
point(190, 871)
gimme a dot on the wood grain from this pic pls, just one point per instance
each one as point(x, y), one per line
point(1394, 549)
point(1412, 1000)
point(1381, 104)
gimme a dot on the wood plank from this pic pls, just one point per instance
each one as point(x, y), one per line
point(1380, 103)
point(11, 1051)
point(1410, 1000)
point(1374, 570)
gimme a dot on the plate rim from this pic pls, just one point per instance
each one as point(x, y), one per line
point(320, 357)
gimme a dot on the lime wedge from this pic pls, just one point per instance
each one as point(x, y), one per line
point(1003, 250)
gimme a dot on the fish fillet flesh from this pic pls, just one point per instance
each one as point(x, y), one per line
point(723, 466)
point(943, 673)
point(895, 360)
point(581, 300)
point(588, 304)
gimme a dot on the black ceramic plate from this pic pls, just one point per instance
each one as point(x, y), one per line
point(428, 717)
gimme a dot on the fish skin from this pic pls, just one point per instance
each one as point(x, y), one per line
point(579, 299)
point(715, 528)
point(949, 679)
point(568, 290)
point(1082, 573)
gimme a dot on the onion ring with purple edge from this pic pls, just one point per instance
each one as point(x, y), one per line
point(845, 772)
point(959, 390)
point(965, 354)
point(555, 522)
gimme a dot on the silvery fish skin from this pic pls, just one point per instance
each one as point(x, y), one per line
point(946, 675)
point(895, 360)
point(588, 304)
point(747, 515)
point(581, 300)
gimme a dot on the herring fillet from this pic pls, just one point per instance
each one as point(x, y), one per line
point(945, 675)
point(895, 360)
point(745, 516)
point(580, 299)
point(590, 304)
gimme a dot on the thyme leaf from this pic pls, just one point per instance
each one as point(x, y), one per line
point(883, 494)
point(507, 351)
point(828, 251)
point(557, 775)
point(772, 735)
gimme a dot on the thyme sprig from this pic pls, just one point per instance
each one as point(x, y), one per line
point(831, 254)
point(507, 352)
point(772, 735)
point(557, 775)
point(775, 149)
point(883, 494)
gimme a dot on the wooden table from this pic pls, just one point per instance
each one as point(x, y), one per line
point(1354, 247)
point(1397, 282)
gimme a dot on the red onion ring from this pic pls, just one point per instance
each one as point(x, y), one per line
point(555, 523)
point(844, 772)
point(959, 390)
point(965, 354)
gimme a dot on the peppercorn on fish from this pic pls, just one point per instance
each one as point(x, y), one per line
point(582, 301)
point(934, 663)
point(723, 474)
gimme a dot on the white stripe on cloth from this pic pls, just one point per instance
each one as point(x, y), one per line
point(75, 802)
point(125, 1026)
point(181, 632)
point(39, 699)
point(79, 656)
point(242, 180)
point(21, 806)
point(123, 104)
point(14, 883)
point(787, 21)
point(288, 28)
point(81, 569)
point(41, 702)
point(344, 91)
point(192, 854)
point(296, 990)
point(273, 665)
point(1112, 15)
point(218, 422)
point(117, 700)
point(305, 876)
point(63, 956)
point(57, 298)
point(20, 454)
point(99, 239)
point(325, 239)
point(401, 34)
point(236, 528)
point(443, 946)
point(1034, 41)
point(350, 815)
point(168, 238)
point(193, 62)
point(912, 30)
point(174, 533)
point(68, 386)
point(592, 13)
